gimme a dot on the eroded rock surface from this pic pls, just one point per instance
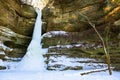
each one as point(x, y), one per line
point(66, 14)
point(16, 26)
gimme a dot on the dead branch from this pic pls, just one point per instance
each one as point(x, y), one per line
point(103, 43)
point(93, 71)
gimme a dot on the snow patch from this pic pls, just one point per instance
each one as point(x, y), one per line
point(85, 63)
point(2, 53)
point(77, 45)
point(2, 63)
point(53, 33)
point(5, 47)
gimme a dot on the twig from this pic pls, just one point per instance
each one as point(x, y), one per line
point(93, 71)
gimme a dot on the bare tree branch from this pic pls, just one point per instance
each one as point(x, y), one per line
point(103, 42)
point(93, 71)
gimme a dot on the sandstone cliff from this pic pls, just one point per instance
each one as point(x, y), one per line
point(17, 22)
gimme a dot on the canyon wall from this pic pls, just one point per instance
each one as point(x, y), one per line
point(17, 21)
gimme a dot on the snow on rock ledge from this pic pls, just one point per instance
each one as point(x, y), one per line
point(2, 65)
point(53, 33)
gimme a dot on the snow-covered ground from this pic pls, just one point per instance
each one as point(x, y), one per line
point(63, 62)
point(57, 75)
point(60, 75)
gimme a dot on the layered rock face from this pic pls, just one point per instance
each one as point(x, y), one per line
point(70, 15)
point(16, 26)
point(66, 14)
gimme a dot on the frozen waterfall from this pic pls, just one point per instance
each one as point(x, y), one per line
point(33, 59)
